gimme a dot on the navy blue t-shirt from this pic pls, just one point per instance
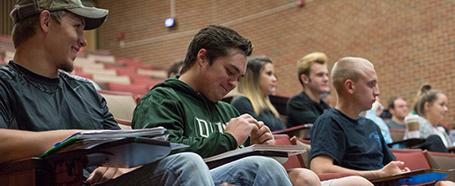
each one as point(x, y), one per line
point(354, 144)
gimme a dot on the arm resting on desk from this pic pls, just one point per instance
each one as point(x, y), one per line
point(18, 144)
point(324, 164)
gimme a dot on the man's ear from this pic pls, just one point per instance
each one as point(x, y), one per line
point(349, 86)
point(201, 59)
point(44, 20)
point(304, 78)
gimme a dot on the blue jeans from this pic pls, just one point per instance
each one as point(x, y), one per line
point(178, 169)
point(189, 169)
point(253, 170)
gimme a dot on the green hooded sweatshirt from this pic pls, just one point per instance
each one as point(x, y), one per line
point(189, 117)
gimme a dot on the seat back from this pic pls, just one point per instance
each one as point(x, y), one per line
point(99, 78)
point(441, 160)
point(136, 89)
point(413, 158)
point(121, 105)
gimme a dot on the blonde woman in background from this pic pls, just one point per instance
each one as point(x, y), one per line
point(431, 106)
point(255, 87)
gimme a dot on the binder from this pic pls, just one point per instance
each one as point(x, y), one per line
point(113, 148)
point(414, 177)
point(277, 152)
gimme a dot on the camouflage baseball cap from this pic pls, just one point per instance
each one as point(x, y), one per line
point(93, 16)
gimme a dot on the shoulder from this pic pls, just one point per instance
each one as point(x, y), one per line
point(327, 119)
point(366, 121)
point(162, 93)
point(240, 100)
point(10, 79)
point(164, 96)
point(7, 73)
point(224, 107)
point(75, 80)
point(298, 97)
point(299, 101)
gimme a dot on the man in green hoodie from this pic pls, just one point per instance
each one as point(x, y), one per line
point(189, 107)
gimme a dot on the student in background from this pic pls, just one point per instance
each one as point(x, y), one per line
point(313, 75)
point(432, 107)
point(373, 114)
point(398, 107)
point(255, 87)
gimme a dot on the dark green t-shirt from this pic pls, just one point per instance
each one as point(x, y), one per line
point(36, 103)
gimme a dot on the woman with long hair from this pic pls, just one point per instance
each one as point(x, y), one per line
point(255, 87)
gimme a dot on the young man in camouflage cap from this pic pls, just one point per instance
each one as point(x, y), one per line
point(42, 104)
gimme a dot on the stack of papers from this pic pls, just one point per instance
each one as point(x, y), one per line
point(114, 148)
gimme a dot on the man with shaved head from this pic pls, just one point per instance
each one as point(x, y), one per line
point(344, 142)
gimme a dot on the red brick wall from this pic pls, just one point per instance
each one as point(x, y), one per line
point(410, 42)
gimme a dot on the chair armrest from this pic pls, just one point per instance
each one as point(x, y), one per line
point(301, 131)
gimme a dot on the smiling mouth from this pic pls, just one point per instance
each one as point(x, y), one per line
point(76, 50)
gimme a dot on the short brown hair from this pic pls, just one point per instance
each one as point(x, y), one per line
point(26, 28)
point(305, 63)
point(217, 40)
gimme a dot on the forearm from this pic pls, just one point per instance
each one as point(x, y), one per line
point(324, 164)
point(22, 144)
point(370, 174)
point(215, 144)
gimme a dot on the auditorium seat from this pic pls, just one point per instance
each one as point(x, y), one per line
point(413, 158)
point(121, 105)
point(111, 79)
point(135, 89)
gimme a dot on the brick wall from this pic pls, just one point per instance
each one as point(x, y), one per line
point(410, 42)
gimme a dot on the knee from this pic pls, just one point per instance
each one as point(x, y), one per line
point(190, 160)
point(352, 180)
point(301, 176)
point(264, 163)
point(445, 183)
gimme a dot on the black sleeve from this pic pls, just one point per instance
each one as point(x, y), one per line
point(388, 155)
point(6, 113)
point(299, 113)
point(108, 119)
point(327, 138)
point(244, 106)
